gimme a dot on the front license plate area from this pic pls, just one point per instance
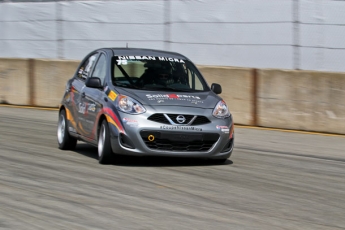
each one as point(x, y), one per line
point(183, 137)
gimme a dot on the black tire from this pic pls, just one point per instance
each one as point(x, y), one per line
point(105, 153)
point(65, 140)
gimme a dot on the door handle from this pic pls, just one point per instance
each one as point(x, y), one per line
point(83, 94)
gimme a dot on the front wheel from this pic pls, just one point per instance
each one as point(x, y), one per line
point(105, 153)
point(65, 141)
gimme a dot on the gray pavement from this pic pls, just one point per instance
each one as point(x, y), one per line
point(273, 180)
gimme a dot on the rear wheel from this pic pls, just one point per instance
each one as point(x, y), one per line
point(65, 140)
point(105, 153)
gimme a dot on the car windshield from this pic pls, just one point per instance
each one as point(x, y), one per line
point(156, 73)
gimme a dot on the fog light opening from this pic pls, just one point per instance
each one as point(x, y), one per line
point(151, 137)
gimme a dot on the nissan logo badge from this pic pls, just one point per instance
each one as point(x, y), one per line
point(180, 119)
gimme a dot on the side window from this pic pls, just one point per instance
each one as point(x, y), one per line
point(100, 70)
point(86, 67)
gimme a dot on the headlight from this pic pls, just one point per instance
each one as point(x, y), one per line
point(129, 105)
point(221, 110)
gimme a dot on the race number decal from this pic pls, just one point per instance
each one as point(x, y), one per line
point(121, 62)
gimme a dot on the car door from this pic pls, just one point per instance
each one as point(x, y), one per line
point(91, 99)
point(77, 91)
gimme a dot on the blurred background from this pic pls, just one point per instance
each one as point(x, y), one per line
point(283, 34)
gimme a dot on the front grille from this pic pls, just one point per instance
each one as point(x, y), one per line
point(201, 120)
point(180, 142)
point(173, 117)
point(160, 118)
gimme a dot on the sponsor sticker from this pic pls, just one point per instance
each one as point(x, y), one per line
point(175, 127)
point(125, 58)
point(171, 96)
point(130, 122)
point(223, 128)
point(112, 95)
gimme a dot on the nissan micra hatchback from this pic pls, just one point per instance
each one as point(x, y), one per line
point(144, 102)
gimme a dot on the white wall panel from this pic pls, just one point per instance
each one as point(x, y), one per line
point(334, 60)
point(231, 10)
point(249, 33)
point(328, 36)
point(95, 24)
point(322, 11)
point(28, 49)
point(219, 55)
point(139, 12)
point(227, 33)
point(323, 59)
point(77, 50)
point(321, 36)
point(27, 11)
point(112, 32)
point(29, 30)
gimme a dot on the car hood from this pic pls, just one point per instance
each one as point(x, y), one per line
point(163, 98)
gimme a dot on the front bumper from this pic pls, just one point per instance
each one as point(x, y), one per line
point(143, 137)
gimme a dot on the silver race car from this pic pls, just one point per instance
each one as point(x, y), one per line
point(144, 102)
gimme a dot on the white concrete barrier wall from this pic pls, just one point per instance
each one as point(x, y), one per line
point(302, 100)
point(50, 80)
point(14, 81)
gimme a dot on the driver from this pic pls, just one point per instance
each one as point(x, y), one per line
point(157, 73)
point(180, 75)
point(163, 77)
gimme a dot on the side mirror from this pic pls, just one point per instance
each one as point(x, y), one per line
point(93, 82)
point(216, 88)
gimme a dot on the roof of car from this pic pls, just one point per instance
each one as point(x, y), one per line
point(145, 52)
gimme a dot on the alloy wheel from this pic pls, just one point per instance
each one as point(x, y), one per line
point(61, 129)
point(101, 140)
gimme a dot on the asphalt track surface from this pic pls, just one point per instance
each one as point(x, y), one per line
point(273, 180)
